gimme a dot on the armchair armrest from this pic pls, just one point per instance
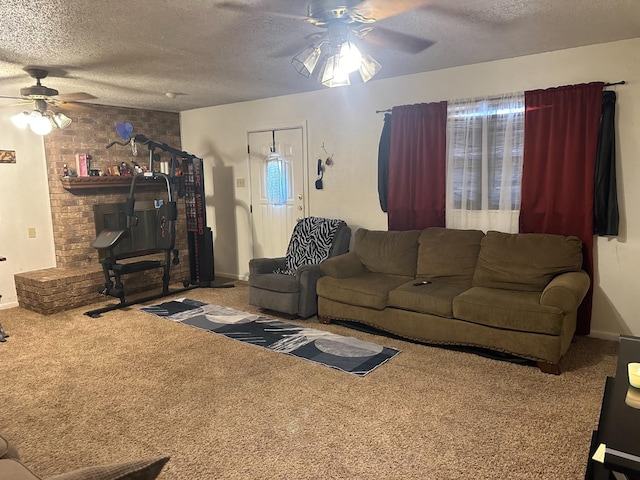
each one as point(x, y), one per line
point(566, 291)
point(266, 265)
point(342, 266)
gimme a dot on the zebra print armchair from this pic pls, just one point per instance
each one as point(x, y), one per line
point(288, 284)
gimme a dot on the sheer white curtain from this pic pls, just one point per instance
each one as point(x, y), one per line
point(485, 141)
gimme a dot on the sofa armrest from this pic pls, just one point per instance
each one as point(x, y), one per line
point(309, 271)
point(342, 266)
point(266, 265)
point(566, 291)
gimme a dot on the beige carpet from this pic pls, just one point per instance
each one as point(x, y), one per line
point(78, 391)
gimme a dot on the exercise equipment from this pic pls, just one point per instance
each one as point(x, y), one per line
point(157, 231)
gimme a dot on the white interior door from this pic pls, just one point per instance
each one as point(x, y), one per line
point(278, 193)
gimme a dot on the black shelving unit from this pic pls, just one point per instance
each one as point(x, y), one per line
point(199, 236)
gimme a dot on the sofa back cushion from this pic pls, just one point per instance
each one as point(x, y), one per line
point(393, 253)
point(525, 261)
point(448, 255)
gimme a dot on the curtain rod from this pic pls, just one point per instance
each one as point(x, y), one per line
point(610, 84)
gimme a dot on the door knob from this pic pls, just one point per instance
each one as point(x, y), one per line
point(299, 207)
point(299, 196)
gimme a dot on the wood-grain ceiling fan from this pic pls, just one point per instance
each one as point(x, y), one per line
point(360, 16)
point(342, 22)
point(40, 119)
point(42, 96)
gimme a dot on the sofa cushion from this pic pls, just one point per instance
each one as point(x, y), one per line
point(435, 298)
point(392, 253)
point(508, 310)
point(13, 470)
point(369, 290)
point(448, 255)
point(134, 470)
point(525, 261)
point(275, 282)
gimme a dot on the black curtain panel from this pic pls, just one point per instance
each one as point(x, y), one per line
point(605, 199)
point(383, 162)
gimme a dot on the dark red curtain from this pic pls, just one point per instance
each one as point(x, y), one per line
point(417, 166)
point(560, 143)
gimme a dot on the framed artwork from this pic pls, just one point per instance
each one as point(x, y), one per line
point(7, 156)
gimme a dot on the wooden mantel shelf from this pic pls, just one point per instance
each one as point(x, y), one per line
point(85, 183)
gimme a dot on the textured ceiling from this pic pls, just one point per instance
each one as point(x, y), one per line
point(211, 52)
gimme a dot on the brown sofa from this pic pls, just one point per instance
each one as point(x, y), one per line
point(513, 293)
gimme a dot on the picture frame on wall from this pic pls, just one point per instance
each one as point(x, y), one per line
point(7, 156)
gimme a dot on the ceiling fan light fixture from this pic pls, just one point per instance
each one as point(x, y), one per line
point(305, 61)
point(332, 74)
point(333, 69)
point(61, 120)
point(350, 57)
point(40, 124)
point(20, 120)
point(368, 67)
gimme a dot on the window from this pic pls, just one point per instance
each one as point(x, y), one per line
point(485, 142)
point(276, 179)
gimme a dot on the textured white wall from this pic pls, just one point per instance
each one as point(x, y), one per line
point(24, 203)
point(344, 119)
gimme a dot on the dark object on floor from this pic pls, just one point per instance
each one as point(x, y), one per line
point(184, 179)
point(3, 335)
point(617, 436)
point(483, 352)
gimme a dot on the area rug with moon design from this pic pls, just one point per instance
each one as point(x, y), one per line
point(348, 354)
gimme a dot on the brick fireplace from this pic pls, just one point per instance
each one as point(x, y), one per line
point(78, 274)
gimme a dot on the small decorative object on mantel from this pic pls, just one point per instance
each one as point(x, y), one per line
point(113, 170)
point(82, 164)
point(125, 170)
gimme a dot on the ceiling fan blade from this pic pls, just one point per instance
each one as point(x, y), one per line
point(295, 48)
point(375, 10)
point(397, 41)
point(72, 106)
point(75, 97)
point(244, 8)
point(11, 97)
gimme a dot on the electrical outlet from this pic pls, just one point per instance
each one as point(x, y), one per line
point(241, 182)
point(32, 232)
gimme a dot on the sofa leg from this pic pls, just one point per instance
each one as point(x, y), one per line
point(552, 368)
point(323, 319)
